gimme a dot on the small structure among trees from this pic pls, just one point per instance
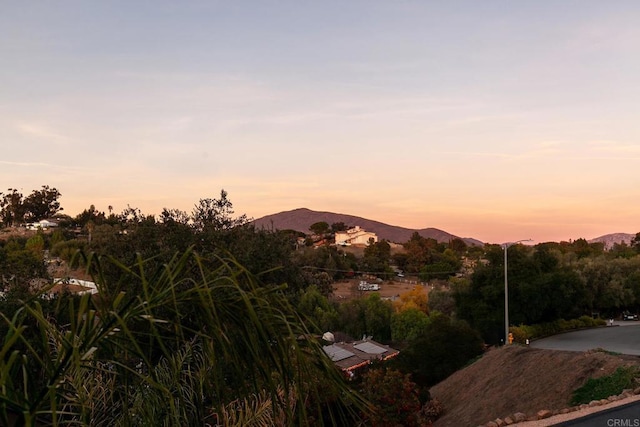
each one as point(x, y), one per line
point(352, 356)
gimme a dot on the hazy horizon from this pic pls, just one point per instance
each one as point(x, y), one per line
point(494, 120)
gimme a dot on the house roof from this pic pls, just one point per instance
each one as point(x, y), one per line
point(353, 355)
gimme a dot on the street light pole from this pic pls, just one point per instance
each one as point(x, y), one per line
point(506, 290)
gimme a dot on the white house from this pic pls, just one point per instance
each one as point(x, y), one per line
point(355, 236)
point(42, 224)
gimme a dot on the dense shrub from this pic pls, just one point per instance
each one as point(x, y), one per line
point(445, 346)
point(396, 400)
point(603, 387)
point(523, 332)
point(193, 342)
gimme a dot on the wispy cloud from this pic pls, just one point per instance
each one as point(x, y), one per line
point(615, 148)
point(44, 132)
point(26, 164)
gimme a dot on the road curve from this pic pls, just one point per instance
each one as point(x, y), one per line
point(622, 337)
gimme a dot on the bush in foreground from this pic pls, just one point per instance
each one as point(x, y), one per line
point(603, 387)
point(190, 345)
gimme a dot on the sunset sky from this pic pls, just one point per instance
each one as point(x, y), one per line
point(497, 120)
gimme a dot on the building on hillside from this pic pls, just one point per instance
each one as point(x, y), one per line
point(42, 225)
point(353, 356)
point(355, 236)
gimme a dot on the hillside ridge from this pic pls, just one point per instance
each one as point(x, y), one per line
point(610, 239)
point(301, 219)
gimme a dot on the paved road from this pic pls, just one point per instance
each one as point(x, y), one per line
point(622, 337)
point(621, 416)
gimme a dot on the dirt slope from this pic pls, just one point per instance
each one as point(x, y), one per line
point(519, 379)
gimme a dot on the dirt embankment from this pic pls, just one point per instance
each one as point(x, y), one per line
point(519, 379)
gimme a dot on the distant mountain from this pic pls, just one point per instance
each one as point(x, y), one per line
point(301, 219)
point(610, 239)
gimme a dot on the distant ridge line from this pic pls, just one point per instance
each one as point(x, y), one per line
point(301, 219)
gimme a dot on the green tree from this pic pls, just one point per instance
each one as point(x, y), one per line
point(442, 300)
point(418, 250)
point(352, 317)
point(35, 245)
point(42, 204)
point(395, 397)
point(408, 325)
point(90, 215)
point(319, 228)
point(622, 250)
point(445, 346)
point(339, 226)
point(458, 245)
point(377, 317)
point(12, 210)
point(635, 243)
point(216, 214)
point(316, 307)
point(326, 259)
point(541, 289)
point(19, 265)
point(376, 257)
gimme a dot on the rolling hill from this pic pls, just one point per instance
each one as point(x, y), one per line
point(301, 219)
point(610, 239)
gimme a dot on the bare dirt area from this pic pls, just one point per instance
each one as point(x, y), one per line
point(348, 289)
point(519, 379)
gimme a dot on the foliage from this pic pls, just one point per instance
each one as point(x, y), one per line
point(18, 265)
point(458, 245)
point(442, 300)
point(541, 289)
point(67, 249)
point(376, 257)
point(319, 228)
point(611, 285)
point(216, 214)
point(407, 325)
point(367, 316)
point(438, 270)
point(214, 233)
point(445, 346)
point(325, 259)
point(339, 226)
point(419, 252)
point(635, 243)
point(321, 315)
point(395, 397)
point(40, 204)
point(416, 298)
point(35, 244)
point(90, 216)
point(603, 387)
point(180, 349)
point(12, 210)
point(524, 332)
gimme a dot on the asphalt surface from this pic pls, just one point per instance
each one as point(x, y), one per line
point(621, 416)
point(622, 337)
